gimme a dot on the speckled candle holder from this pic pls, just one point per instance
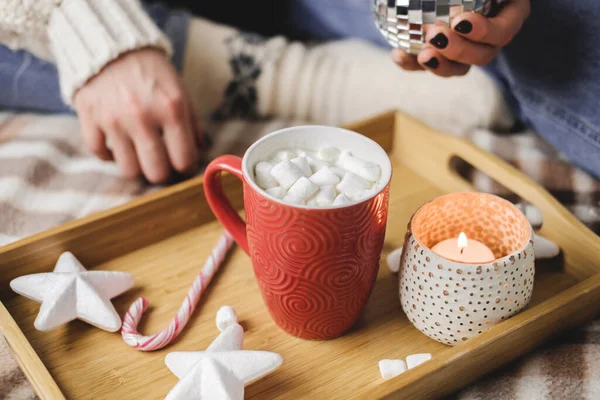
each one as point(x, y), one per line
point(451, 301)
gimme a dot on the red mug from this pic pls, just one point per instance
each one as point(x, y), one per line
point(316, 267)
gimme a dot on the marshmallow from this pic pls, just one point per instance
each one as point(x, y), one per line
point(226, 316)
point(302, 163)
point(352, 184)
point(325, 177)
point(293, 199)
point(303, 189)
point(312, 202)
point(391, 368)
point(326, 195)
point(306, 153)
point(533, 214)
point(341, 200)
point(262, 173)
point(417, 359)
point(393, 260)
point(544, 248)
point(363, 194)
point(315, 163)
point(365, 169)
point(284, 155)
point(338, 171)
point(286, 173)
point(329, 154)
point(277, 192)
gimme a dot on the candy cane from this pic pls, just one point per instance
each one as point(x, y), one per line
point(160, 339)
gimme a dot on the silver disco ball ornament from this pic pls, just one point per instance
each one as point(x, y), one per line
point(402, 21)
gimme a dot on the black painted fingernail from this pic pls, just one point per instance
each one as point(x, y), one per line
point(433, 63)
point(464, 27)
point(440, 41)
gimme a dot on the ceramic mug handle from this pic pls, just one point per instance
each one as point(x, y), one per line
point(217, 200)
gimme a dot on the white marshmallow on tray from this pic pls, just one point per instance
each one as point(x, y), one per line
point(544, 248)
point(341, 199)
point(302, 163)
point(277, 192)
point(262, 173)
point(391, 368)
point(417, 359)
point(533, 214)
point(286, 173)
point(326, 195)
point(226, 316)
point(329, 154)
point(304, 189)
point(325, 177)
point(365, 169)
point(352, 184)
point(393, 260)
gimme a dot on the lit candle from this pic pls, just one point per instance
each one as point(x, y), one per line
point(464, 250)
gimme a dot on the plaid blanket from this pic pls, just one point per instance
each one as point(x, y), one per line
point(47, 179)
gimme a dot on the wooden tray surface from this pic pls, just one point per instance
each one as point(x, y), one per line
point(164, 238)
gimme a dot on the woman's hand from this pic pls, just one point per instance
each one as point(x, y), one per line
point(472, 40)
point(136, 112)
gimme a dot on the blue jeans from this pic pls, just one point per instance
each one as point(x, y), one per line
point(30, 84)
point(550, 73)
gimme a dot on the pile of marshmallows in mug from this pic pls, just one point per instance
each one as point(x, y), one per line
point(325, 178)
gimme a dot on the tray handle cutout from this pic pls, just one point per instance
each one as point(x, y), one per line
point(482, 182)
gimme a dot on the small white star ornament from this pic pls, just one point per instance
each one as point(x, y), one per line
point(71, 292)
point(222, 371)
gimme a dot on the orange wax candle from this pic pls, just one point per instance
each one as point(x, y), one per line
point(464, 250)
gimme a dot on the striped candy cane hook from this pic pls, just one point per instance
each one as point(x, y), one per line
point(162, 338)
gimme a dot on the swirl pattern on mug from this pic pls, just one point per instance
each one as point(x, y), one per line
point(266, 212)
point(370, 242)
point(343, 273)
point(331, 325)
point(350, 219)
point(306, 238)
point(306, 301)
point(311, 263)
point(357, 304)
point(273, 279)
point(339, 272)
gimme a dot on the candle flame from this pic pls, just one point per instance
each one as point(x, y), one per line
point(462, 241)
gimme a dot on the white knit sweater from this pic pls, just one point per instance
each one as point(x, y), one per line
point(80, 36)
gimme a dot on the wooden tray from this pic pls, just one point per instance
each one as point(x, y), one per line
point(164, 238)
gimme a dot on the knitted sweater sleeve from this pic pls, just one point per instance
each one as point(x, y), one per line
point(80, 36)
